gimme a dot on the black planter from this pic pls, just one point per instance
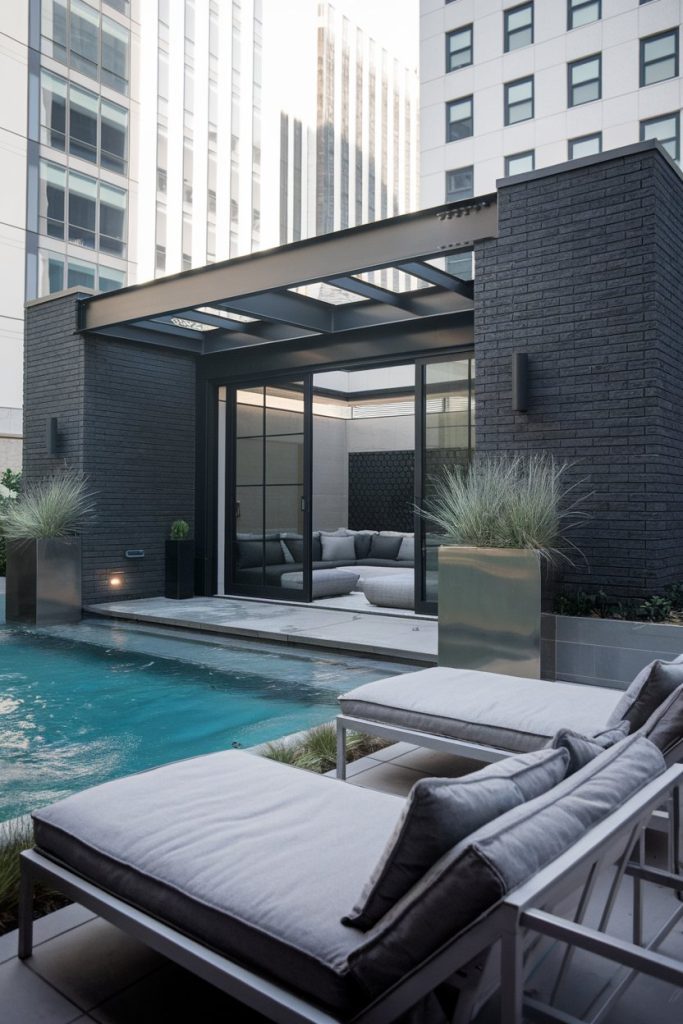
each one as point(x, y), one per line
point(179, 569)
point(44, 581)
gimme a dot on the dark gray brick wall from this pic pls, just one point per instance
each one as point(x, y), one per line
point(586, 278)
point(127, 420)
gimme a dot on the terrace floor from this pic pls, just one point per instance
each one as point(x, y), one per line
point(85, 970)
point(404, 637)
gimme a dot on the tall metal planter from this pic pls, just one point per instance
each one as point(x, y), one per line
point(490, 610)
point(179, 569)
point(43, 581)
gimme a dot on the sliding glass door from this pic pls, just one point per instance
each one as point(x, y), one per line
point(444, 438)
point(268, 548)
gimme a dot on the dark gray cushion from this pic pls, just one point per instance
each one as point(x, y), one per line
point(384, 547)
point(255, 859)
point(295, 548)
point(441, 812)
point(476, 873)
point(362, 541)
point(664, 727)
point(317, 549)
point(337, 548)
point(582, 749)
point(250, 553)
point(648, 690)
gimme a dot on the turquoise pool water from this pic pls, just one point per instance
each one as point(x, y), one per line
point(74, 713)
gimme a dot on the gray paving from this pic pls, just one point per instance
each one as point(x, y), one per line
point(85, 970)
point(406, 638)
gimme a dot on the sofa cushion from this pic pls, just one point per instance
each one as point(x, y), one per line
point(664, 727)
point(582, 749)
point(255, 859)
point(362, 540)
point(384, 547)
point(295, 546)
point(507, 712)
point(316, 549)
point(406, 552)
point(647, 691)
point(441, 812)
point(337, 548)
point(251, 553)
point(477, 873)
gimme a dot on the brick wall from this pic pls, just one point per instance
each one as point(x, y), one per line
point(127, 420)
point(586, 278)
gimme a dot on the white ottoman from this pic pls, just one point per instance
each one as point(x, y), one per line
point(326, 582)
point(396, 591)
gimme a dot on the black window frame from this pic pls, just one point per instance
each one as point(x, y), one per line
point(450, 198)
point(675, 32)
point(506, 30)
point(583, 138)
point(449, 35)
point(576, 5)
point(449, 123)
point(518, 156)
point(676, 115)
point(506, 92)
point(570, 86)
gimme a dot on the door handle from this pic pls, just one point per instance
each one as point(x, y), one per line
point(238, 510)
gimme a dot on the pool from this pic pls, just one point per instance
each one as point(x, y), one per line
point(83, 704)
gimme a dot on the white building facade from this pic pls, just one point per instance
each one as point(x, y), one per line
point(510, 86)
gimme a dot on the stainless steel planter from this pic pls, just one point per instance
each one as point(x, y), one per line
point(44, 581)
point(490, 610)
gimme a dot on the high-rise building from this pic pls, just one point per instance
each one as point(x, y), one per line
point(509, 87)
point(149, 136)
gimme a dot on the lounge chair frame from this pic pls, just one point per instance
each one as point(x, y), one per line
point(521, 922)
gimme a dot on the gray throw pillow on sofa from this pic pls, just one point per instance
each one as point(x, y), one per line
point(440, 813)
point(582, 749)
point(649, 689)
point(338, 549)
point(384, 547)
point(664, 727)
point(406, 552)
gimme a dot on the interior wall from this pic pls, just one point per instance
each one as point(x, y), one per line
point(330, 473)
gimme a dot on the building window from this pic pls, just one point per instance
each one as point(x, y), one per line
point(461, 265)
point(584, 80)
point(112, 219)
point(519, 163)
point(110, 279)
point(459, 48)
point(58, 272)
point(518, 27)
point(659, 57)
point(82, 210)
point(582, 12)
point(96, 129)
point(459, 184)
point(83, 38)
point(667, 129)
point(585, 145)
point(519, 100)
point(459, 119)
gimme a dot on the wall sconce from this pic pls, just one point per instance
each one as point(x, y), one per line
point(52, 439)
point(116, 582)
point(520, 382)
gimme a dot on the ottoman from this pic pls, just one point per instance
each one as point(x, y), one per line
point(396, 591)
point(326, 582)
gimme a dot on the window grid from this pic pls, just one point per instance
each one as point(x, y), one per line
point(82, 210)
point(518, 27)
point(519, 100)
point(667, 129)
point(459, 184)
point(659, 57)
point(584, 145)
point(58, 271)
point(83, 38)
point(459, 119)
point(583, 12)
point(584, 80)
point(520, 163)
point(94, 128)
point(459, 48)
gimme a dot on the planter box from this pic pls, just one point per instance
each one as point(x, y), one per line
point(44, 581)
point(606, 652)
point(179, 569)
point(490, 610)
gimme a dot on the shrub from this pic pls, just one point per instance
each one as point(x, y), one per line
point(179, 529)
point(11, 483)
point(506, 501)
point(55, 506)
point(316, 750)
point(15, 836)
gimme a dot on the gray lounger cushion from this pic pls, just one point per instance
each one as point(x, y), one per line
point(255, 859)
point(664, 727)
point(582, 749)
point(648, 690)
point(507, 851)
point(440, 812)
point(482, 707)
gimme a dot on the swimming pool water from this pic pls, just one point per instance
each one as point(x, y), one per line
point(74, 714)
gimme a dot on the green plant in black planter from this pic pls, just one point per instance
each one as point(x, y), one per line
point(179, 561)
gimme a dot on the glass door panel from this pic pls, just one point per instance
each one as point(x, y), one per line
point(444, 440)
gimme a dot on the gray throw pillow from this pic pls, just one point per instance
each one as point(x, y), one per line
point(440, 813)
point(295, 548)
point(664, 728)
point(582, 749)
point(362, 541)
point(384, 547)
point(406, 552)
point(648, 690)
point(338, 549)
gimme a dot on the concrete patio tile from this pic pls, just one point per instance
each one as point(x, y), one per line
point(93, 962)
point(387, 777)
point(435, 762)
point(171, 994)
point(394, 751)
point(46, 928)
point(27, 999)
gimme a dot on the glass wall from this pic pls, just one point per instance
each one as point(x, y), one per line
point(80, 36)
point(81, 209)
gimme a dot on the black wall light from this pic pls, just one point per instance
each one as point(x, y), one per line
point(520, 382)
point(52, 440)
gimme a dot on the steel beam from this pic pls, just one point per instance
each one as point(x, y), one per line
point(367, 290)
point(414, 236)
point(284, 308)
point(433, 275)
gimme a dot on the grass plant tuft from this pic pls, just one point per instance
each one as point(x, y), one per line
point(55, 506)
point(316, 750)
